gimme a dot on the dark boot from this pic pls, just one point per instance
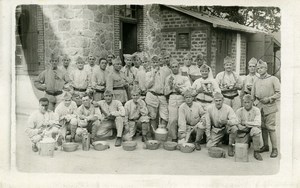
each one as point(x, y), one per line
point(144, 138)
point(274, 153)
point(197, 145)
point(35, 148)
point(118, 142)
point(257, 156)
point(60, 140)
point(264, 149)
point(230, 151)
point(175, 140)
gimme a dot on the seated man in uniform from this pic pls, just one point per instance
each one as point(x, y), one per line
point(221, 119)
point(89, 118)
point(42, 123)
point(136, 114)
point(113, 117)
point(66, 112)
point(249, 119)
point(191, 120)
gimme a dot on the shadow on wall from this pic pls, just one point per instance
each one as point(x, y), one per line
point(72, 30)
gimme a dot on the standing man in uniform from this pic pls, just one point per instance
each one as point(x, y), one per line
point(99, 80)
point(265, 91)
point(129, 72)
point(250, 78)
point(116, 82)
point(175, 85)
point(155, 99)
point(249, 122)
point(52, 81)
point(221, 120)
point(229, 83)
point(66, 68)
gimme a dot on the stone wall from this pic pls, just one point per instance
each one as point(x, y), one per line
point(78, 30)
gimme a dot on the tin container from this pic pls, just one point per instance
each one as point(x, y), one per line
point(47, 147)
point(241, 153)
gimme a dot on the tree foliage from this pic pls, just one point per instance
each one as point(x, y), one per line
point(263, 18)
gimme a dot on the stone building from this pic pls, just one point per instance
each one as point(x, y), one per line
point(78, 30)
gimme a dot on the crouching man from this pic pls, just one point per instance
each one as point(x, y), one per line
point(113, 113)
point(221, 120)
point(136, 113)
point(66, 112)
point(191, 120)
point(42, 123)
point(88, 118)
point(249, 122)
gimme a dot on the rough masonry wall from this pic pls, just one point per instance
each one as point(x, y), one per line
point(243, 65)
point(78, 30)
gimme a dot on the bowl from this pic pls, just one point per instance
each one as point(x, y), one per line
point(70, 146)
point(186, 147)
point(129, 145)
point(152, 144)
point(216, 152)
point(170, 146)
point(100, 145)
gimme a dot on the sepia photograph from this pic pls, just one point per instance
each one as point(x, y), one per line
point(147, 89)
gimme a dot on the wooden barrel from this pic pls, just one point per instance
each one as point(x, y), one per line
point(241, 152)
point(47, 149)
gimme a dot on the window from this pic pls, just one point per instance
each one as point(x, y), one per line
point(183, 40)
point(128, 11)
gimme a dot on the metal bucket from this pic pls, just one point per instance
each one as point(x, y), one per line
point(47, 148)
point(241, 153)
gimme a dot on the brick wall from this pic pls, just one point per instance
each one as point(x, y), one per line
point(116, 30)
point(40, 38)
point(78, 30)
point(243, 65)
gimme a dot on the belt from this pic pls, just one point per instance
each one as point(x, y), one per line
point(157, 94)
point(203, 101)
point(133, 119)
point(99, 91)
point(77, 89)
point(175, 93)
point(119, 88)
point(231, 97)
point(54, 93)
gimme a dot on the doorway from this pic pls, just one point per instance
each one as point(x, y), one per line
point(128, 38)
point(224, 47)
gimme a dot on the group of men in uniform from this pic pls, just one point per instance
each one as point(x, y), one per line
point(107, 99)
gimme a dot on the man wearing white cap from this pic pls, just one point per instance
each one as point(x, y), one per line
point(117, 83)
point(140, 78)
point(249, 125)
point(110, 57)
point(99, 80)
point(52, 81)
point(80, 81)
point(222, 120)
point(175, 85)
point(129, 72)
point(191, 119)
point(265, 91)
point(205, 87)
point(250, 78)
point(155, 99)
point(229, 83)
point(66, 111)
point(91, 66)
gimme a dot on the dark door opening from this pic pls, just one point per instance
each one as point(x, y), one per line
point(128, 38)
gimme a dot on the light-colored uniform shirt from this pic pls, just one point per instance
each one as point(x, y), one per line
point(159, 80)
point(37, 120)
point(141, 78)
point(80, 79)
point(99, 79)
point(89, 112)
point(90, 69)
point(133, 111)
point(215, 115)
point(54, 80)
point(129, 73)
point(214, 87)
point(62, 110)
point(117, 80)
point(115, 108)
point(224, 80)
point(189, 116)
point(249, 80)
point(179, 81)
point(267, 87)
point(252, 116)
